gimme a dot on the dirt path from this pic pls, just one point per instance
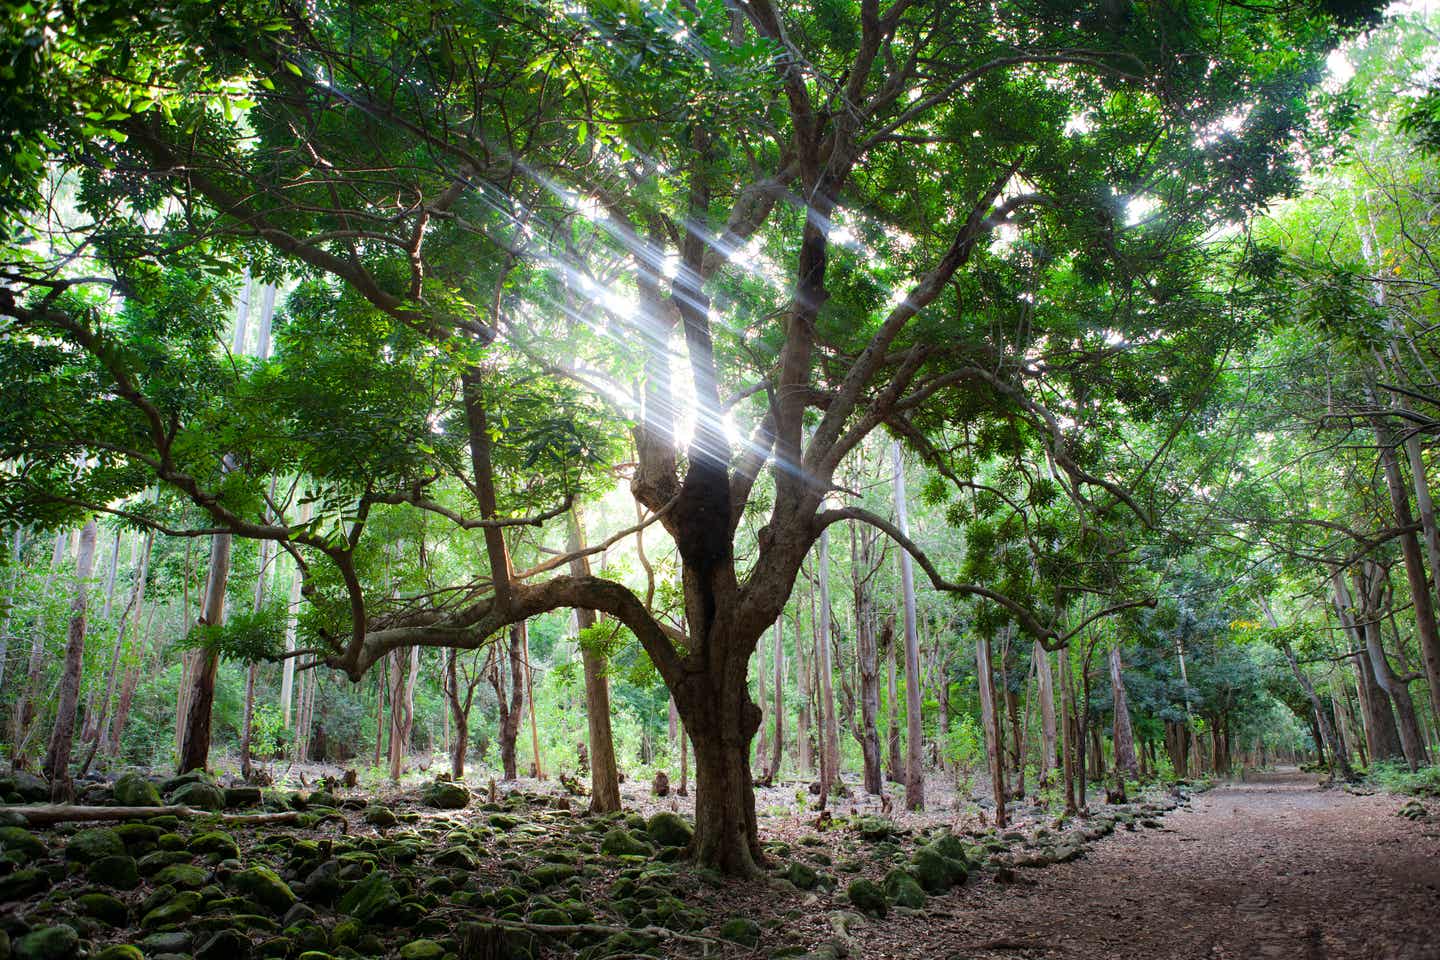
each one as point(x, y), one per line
point(1275, 868)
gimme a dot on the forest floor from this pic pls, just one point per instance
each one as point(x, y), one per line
point(1274, 867)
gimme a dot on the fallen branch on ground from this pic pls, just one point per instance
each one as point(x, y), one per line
point(44, 814)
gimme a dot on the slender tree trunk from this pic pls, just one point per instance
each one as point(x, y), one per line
point(779, 707)
point(90, 730)
point(62, 738)
point(194, 746)
point(25, 703)
point(292, 624)
point(804, 746)
point(1125, 764)
point(604, 775)
point(17, 548)
point(990, 719)
point(762, 745)
point(914, 749)
point(1425, 626)
point(1411, 742)
point(866, 662)
point(102, 719)
point(115, 730)
point(1381, 735)
point(511, 709)
point(1012, 715)
point(892, 692)
point(1327, 740)
point(1073, 800)
point(1045, 688)
point(539, 770)
point(830, 735)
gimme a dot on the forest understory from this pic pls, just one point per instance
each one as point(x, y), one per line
point(1278, 865)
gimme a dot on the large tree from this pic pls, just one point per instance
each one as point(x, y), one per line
point(975, 226)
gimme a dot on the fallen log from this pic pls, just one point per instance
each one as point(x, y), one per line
point(45, 814)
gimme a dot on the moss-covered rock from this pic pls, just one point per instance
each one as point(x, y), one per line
point(22, 846)
point(740, 930)
point(139, 838)
point(134, 790)
point(456, 856)
point(937, 872)
point(903, 890)
point(867, 897)
point(875, 828)
point(26, 786)
point(380, 816)
point(87, 846)
point(371, 900)
point(183, 876)
point(199, 794)
point(551, 874)
point(168, 941)
point(177, 910)
point(23, 883)
point(224, 945)
point(324, 883)
point(157, 860)
point(59, 942)
point(243, 796)
point(419, 950)
point(216, 844)
point(802, 875)
point(118, 872)
point(619, 842)
point(445, 795)
point(265, 887)
point(104, 908)
point(118, 951)
point(668, 829)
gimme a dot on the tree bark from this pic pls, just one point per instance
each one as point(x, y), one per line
point(62, 737)
point(1126, 765)
point(892, 691)
point(510, 705)
point(459, 716)
point(990, 719)
point(1425, 626)
point(804, 745)
point(914, 748)
point(604, 775)
point(825, 673)
point(17, 547)
point(1012, 715)
point(1381, 735)
point(21, 731)
point(762, 745)
point(861, 548)
point(194, 746)
point(538, 768)
point(1073, 800)
point(402, 709)
point(778, 747)
point(1045, 689)
point(1412, 744)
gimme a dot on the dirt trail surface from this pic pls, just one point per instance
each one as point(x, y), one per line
point(1276, 867)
